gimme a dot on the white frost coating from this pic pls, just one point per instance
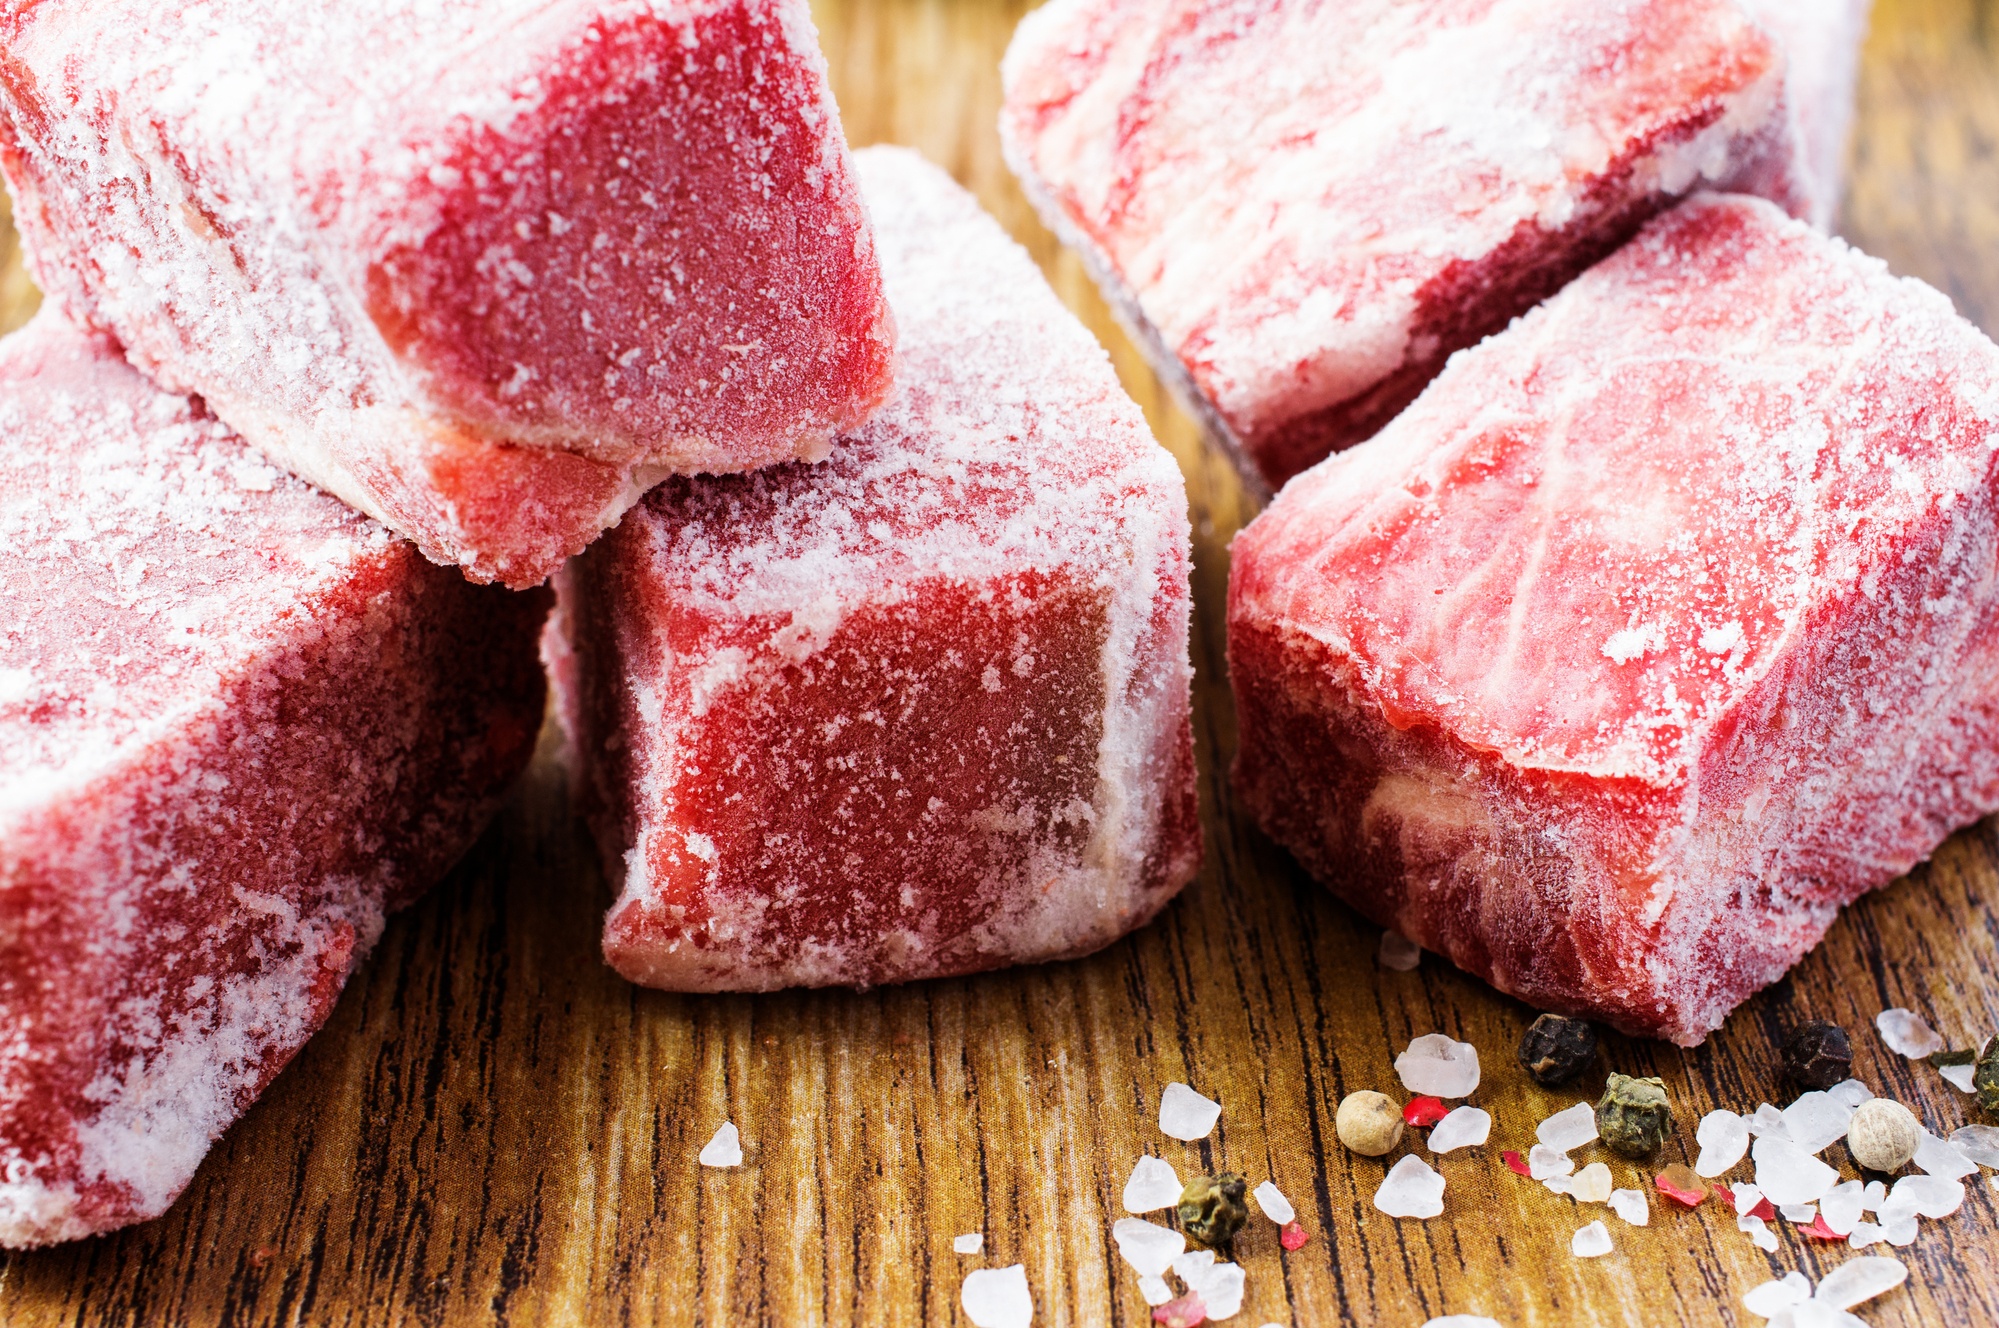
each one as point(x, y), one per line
point(170, 593)
point(1153, 1185)
point(1270, 221)
point(998, 1297)
point(1147, 1246)
point(725, 1149)
point(301, 252)
point(1185, 1114)
point(1270, 1201)
point(1009, 473)
point(1821, 41)
point(1439, 1065)
point(1907, 1033)
point(1411, 1189)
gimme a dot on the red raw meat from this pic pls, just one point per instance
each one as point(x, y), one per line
point(1302, 207)
point(1662, 626)
point(485, 269)
point(923, 708)
point(1821, 41)
point(238, 724)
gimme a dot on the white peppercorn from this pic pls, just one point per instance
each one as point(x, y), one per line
point(1369, 1123)
point(1882, 1135)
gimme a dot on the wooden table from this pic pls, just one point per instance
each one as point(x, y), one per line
point(494, 1128)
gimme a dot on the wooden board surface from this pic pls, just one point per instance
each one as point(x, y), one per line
point(494, 1128)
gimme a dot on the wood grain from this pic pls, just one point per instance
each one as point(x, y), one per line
point(495, 1129)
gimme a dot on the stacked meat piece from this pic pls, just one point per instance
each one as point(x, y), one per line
point(239, 723)
point(1664, 624)
point(921, 709)
point(488, 281)
point(1302, 207)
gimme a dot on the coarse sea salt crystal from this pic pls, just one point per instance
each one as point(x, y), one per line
point(1411, 1189)
point(1153, 1185)
point(1859, 1280)
point(1439, 1066)
point(998, 1297)
point(1842, 1206)
point(1273, 1204)
point(1793, 1288)
point(1185, 1114)
point(1465, 1127)
point(1959, 1076)
point(1979, 1143)
point(1863, 1235)
point(1746, 1196)
point(1155, 1289)
point(1219, 1285)
point(1570, 1129)
point(1811, 1314)
point(1816, 1121)
point(1759, 1232)
point(1632, 1206)
point(1900, 1232)
point(1907, 1033)
point(1544, 1162)
point(1590, 1241)
point(1851, 1091)
point(1874, 1196)
point(1803, 1214)
point(969, 1243)
point(1787, 1174)
point(1766, 1119)
point(1559, 1184)
point(1941, 1159)
point(1724, 1138)
point(1925, 1196)
point(725, 1149)
point(1591, 1185)
point(1147, 1246)
point(1398, 952)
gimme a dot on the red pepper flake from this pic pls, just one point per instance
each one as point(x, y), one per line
point(1818, 1230)
point(1293, 1236)
point(1515, 1162)
point(1186, 1312)
point(1679, 1183)
point(1765, 1210)
point(1423, 1112)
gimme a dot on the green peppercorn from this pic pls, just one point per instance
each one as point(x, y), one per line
point(1556, 1050)
point(1213, 1208)
point(1817, 1055)
point(1955, 1056)
point(1634, 1116)
point(1985, 1079)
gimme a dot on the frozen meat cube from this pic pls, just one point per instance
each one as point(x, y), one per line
point(920, 709)
point(1302, 208)
point(238, 724)
point(1660, 627)
point(485, 269)
point(1821, 41)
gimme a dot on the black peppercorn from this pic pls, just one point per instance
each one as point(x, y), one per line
point(1985, 1079)
point(1212, 1208)
point(1634, 1116)
point(1556, 1050)
point(1818, 1055)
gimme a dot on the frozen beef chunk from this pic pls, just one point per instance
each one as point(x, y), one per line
point(1664, 624)
point(485, 269)
point(1301, 207)
point(923, 708)
point(238, 724)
